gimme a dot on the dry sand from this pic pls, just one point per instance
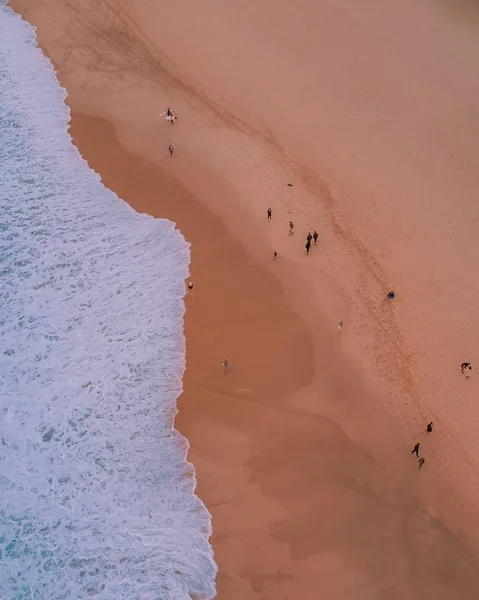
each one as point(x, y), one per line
point(370, 111)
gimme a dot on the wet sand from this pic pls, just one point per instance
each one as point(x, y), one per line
point(302, 451)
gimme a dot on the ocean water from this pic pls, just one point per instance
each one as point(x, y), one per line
point(96, 498)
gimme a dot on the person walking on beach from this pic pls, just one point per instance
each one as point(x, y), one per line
point(269, 214)
point(415, 450)
point(420, 463)
point(291, 228)
point(226, 366)
point(340, 326)
point(308, 247)
point(275, 255)
point(170, 150)
point(190, 287)
point(465, 368)
point(315, 237)
point(429, 427)
point(168, 112)
point(309, 238)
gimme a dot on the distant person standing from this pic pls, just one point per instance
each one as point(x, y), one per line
point(309, 238)
point(170, 150)
point(315, 237)
point(291, 228)
point(421, 462)
point(429, 427)
point(168, 112)
point(275, 255)
point(190, 286)
point(226, 366)
point(308, 247)
point(415, 450)
point(340, 326)
point(269, 214)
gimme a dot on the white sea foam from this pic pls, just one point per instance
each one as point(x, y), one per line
point(96, 499)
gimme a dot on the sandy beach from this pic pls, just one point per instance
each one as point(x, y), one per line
point(359, 121)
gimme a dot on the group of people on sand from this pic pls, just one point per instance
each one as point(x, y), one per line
point(466, 367)
point(310, 238)
point(415, 450)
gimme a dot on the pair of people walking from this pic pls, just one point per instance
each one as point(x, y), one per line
point(309, 239)
point(415, 451)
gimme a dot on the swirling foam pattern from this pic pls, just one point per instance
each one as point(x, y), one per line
point(96, 498)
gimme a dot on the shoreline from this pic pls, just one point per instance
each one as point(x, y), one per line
point(243, 430)
point(205, 387)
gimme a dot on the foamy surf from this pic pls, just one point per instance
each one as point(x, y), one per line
point(97, 499)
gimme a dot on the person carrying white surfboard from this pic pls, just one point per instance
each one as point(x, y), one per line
point(169, 116)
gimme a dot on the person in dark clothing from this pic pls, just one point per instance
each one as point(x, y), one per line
point(170, 150)
point(168, 112)
point(291, 228)
point(275, 255)
point(308, 247)
point(315, 237)
point(465, 368)
point(415, 450)
point(269, 214)
point(390, 295)
point(429, 427)
point(309, 238)
point(421, 462)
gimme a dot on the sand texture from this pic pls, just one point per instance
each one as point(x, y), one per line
point(359, 120)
